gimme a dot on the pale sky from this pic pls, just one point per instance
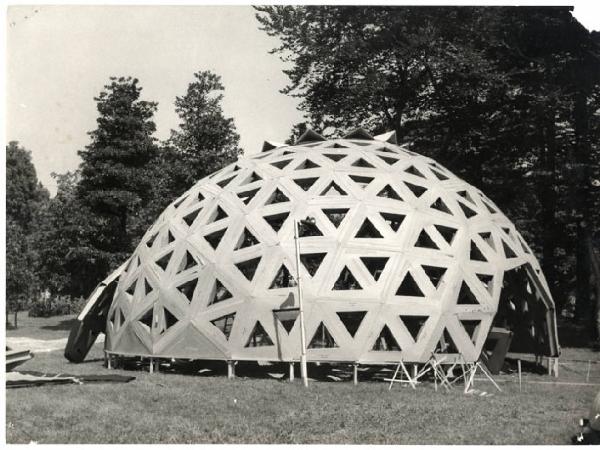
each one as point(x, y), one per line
point(60, 57)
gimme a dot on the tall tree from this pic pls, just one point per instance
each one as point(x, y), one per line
point(502, 96)
point(115, 181)
point(65, 238)
point(24, 196)
point(206, 140)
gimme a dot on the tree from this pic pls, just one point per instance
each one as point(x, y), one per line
point(24, 196)
point(115, 182)
point(206, 140)
point(65, 238)
point(501, 96)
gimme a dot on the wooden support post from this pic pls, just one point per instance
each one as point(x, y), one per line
point(151, 370)
point(230, 370)
point(587, 375)
point(394, 377)
point(520, 379)
point(109, 361)
point(355, 374)
point(291, 371)
point(410, 380)
point(415, 371)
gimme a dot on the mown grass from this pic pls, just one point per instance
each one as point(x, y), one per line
point(176, 408)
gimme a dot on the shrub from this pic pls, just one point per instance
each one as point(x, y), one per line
point(55, 306)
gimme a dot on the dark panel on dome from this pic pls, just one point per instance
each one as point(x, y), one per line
point(308, 229)
point(471, 327)
point(333, 189)
point(188, 289)
point(307, 164)
point(336, 216)
point(225, 182)
point(386, 342)
point(388, 160)
point(247, 196)
point(252, 178)
point(217, 215)
point(446, 344)
point(466, 296)
point(409, 287)
point(248, 268)
point(361, 162)
point(362, 181)
point(374, 265)
point(187, 262)
point(224, 324)
point(508, 252)
point(475, 254)
point(306, 183)
point(276, 220)
point(425, 241)
point(281, 164)
point(259, 337)
point(322, 338)
point(487, 281)
point(220, 293)
point(147, 287)
point(368, 230)
point(440, 206)
point(163, 261)
point(448, 233)
point(335, 156)
point(389, 192)
point(346, 281)
point(214, 238)
point(440, 176)
point(435, 274)
point(247, 239)
point(416, 189)
point(151, 240)
point(312, 262)
point(414, 324)
point(131, 289)
point(277, 197)
point(352, 320)
point(487, 238)
point(393, 220)
point(412, 170)
point(191, 217)
point(170, 319)
point(283, 279)
point(468, 212)
point(147, 318)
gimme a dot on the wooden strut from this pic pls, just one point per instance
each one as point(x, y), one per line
point(291, 371)
point(473, 370)
point(355, 374)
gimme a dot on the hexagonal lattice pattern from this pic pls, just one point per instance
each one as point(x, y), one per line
point(404, 260)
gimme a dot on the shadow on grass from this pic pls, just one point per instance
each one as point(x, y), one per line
point(62, 325)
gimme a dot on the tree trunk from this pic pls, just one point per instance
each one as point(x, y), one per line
point(582, 204)
point(16, 325)
point(547, 196)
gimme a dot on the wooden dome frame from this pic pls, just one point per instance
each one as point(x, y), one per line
point(405, 260)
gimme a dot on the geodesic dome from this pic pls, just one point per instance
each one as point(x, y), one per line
point(403, 260)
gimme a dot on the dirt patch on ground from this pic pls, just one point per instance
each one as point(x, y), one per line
point(40, 345)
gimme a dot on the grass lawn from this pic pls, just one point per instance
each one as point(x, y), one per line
point(178, 408)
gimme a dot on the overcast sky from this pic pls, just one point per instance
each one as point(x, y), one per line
point(60, 57)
